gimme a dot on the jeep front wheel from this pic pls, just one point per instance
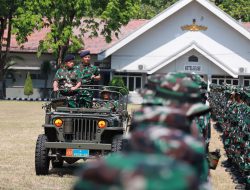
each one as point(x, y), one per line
point(41, 156)
point(116, 145)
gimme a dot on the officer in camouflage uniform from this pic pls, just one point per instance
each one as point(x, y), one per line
point(90, 74)
point(67, 80)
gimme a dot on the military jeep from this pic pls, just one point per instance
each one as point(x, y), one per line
point(77, 133)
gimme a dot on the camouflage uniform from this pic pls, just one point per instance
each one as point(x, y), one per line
point(234, 102)
point(87, 72)
point(163, 137)
point(66, 79)
point(137, 171)
point(173, 143)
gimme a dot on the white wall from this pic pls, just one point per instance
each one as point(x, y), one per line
point(207, 67)
point(29, 60)
point(160, 42)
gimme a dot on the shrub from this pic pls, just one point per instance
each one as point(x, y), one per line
point(117, 81)
point(28, 87)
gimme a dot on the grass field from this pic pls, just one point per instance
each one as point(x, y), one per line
point(20, 124)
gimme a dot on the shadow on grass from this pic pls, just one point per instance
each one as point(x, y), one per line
point(67, 169)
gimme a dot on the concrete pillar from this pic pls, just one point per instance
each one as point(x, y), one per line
point(209, 81)
point(241, 81)
point(111, 74)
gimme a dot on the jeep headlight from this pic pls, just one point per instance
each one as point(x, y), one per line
point(58, 122)
point(102, 124)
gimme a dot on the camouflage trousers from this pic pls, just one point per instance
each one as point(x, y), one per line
point(85, 99)
point(72, 98)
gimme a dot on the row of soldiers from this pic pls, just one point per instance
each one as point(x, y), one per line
point(167, 146)
point(231, 110)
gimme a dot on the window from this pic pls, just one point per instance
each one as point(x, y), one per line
point(225, 79)
point(235, 82)
point(131, 80)
point(193, 58)
point(36, 76)
point(214, 81)
point(246, 81)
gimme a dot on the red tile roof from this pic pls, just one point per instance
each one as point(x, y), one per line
point(246, 25)
point(95, 45)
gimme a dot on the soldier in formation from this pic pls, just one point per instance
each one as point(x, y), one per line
point(167, 147)
point(230, 108)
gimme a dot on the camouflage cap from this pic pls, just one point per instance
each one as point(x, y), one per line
point(166, 116)
point(154, 81)
point(137, 171)
point(149, 98)
point(181, 89)
point(193, 76)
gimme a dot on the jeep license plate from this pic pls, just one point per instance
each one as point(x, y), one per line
point(77, 152)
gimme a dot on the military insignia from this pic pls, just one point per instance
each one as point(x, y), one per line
point(194, 27)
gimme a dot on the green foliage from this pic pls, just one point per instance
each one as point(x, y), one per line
point(28, 87)
point(117, 81)
point(150, 8)
point(62, 17)
point(238, 9)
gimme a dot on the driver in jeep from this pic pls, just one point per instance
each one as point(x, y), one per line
point(67, 80)
point(107, 101)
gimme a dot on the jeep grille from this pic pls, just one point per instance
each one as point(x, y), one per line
point(84, 129)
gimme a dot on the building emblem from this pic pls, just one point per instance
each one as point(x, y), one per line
point(194, 27)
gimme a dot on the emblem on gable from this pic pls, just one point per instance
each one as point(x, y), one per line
point(194, 27)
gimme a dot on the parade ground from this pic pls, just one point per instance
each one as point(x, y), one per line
point(20, 124)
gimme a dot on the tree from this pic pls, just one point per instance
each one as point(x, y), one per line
point(62, 17)
point(150, 8)
point(7, 12)
point(238, 9)
point(28, 87)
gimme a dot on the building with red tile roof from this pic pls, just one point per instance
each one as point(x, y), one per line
point(166, 43)
point(95, 44)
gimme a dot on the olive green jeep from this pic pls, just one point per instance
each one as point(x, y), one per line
point(77, 133)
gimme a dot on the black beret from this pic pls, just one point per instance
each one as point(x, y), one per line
point(68, 57)
point(84, 53)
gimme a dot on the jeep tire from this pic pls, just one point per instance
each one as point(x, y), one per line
point(116, 145)
point(41, 156)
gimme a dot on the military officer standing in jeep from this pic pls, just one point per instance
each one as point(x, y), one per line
point(90, 74)
point(68, 79)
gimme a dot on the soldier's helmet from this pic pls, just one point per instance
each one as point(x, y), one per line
point(180, 89)
point(193, 76)
point(150, 99)
point(105, 93)
point(177, 116)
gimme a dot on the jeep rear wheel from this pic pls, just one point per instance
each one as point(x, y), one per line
point(41, 156)
point(116, 145)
